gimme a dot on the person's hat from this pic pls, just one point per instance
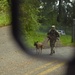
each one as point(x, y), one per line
point(53, 26)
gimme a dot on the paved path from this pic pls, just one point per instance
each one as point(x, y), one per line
point(13, 61)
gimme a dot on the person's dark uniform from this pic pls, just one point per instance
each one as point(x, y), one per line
point(52, 35)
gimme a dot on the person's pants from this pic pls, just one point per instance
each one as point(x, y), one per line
point(52, 45)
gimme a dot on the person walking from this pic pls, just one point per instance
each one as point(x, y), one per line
point(52, 36)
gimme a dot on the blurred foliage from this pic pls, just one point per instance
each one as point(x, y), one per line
point(39, 15)
point(57, 12)
point(28, 15)
point(4, 6)
point(35, 14)
point(5, 17)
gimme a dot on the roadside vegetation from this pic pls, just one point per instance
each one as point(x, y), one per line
point(5, 17)
point(66, 40)
point(40, 15)
point(37, 16)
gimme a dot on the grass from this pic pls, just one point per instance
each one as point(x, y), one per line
point(65, 39)
point(35, 37)
point(4, 19)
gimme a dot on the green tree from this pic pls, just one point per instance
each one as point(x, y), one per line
point(58, 12)
point(4, 7)
point(48, 14)
point(28, 15)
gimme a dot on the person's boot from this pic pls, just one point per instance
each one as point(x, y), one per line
point(53, 51)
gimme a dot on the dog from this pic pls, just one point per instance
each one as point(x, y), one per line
point(39, 46)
